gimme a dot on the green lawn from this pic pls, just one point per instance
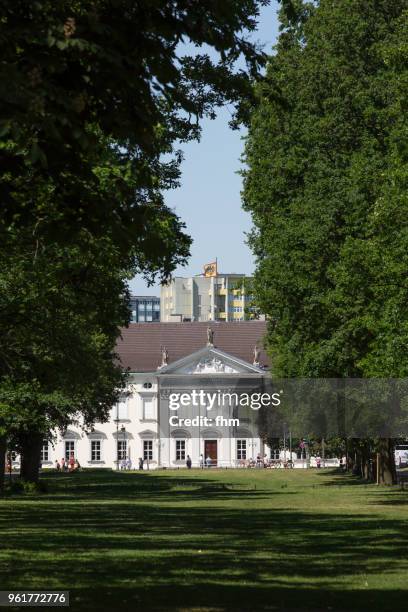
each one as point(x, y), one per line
point(210, 540)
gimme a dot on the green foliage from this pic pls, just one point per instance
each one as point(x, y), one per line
point(326, 186)
point(61, 307)
point(94, 96)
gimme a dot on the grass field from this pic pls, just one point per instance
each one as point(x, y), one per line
point(210, 540)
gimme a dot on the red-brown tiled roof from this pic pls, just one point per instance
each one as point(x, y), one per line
point(141, 343)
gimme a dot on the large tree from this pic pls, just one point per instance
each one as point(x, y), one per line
point(78, 77)
point(94, 98)
point(325, 186)
point(61, 308)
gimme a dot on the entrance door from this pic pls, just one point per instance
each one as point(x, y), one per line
point(210, 450)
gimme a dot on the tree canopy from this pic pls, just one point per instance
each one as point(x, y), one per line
point(97, 92)
point(326, 186)
point(95, 98)
point(326, 157)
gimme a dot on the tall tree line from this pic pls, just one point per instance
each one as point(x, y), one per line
point(326, 184)
point(95, 99)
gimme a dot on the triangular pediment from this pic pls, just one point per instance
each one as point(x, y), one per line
point(210, 360)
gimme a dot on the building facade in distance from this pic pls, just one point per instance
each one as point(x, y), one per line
point(144, 309)
point(220, 297)
point(175, 358)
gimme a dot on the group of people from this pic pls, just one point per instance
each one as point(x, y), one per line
point(125, 464)
point(207, 462)
point(265, 462)
point(72, 465)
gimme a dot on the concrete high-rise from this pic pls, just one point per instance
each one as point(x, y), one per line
point(221, 297)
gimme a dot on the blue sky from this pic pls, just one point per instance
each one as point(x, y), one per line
point(209, 200)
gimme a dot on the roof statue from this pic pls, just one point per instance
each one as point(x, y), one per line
point(210, 337)
point(257, 354)
point(164, 357)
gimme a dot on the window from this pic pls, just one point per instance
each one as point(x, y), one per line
point(148, 450)
point(180, 450)
point(122, 449)
point(95, 450)
point(69, 449)
point(44, 451)
point(148, 409)
point(157, 305)
point(147, 385)
point(122, 410)
point(241, 449)
point(141, 318)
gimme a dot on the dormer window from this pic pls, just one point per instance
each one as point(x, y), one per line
point(147, 385)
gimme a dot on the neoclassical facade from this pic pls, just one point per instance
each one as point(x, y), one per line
point(151, 423)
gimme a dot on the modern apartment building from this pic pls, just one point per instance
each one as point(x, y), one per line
point(221, 297)
point(145, 309)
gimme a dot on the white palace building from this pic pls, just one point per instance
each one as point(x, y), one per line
point(166, 361)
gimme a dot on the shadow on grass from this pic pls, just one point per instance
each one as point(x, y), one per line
point(148, 547)
point(341, 479)
point(134, 485)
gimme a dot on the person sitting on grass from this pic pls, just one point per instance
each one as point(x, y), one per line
point(208, 461)
point(129, 464)
point(140, 463)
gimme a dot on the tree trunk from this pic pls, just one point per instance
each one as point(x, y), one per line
point(30, 456)
point(365, 461)
point(3, 448)
point(387, 470)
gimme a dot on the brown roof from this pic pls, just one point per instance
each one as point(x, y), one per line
point(141, 343)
